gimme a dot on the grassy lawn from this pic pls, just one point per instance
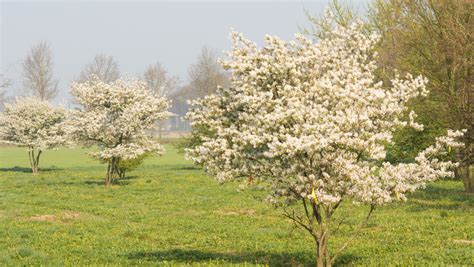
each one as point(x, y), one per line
point(168, 212)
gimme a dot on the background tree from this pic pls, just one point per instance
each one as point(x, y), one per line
point(158, 80)
point(435, 39)
point(4, 83)
point(311, 122)
point(38, 72)
point(103, 66)
point(207, 74)
point(115, 117)
point(34, 124)
point(160, 84)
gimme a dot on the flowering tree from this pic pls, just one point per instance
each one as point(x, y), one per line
point(311, 122)
point(115, 116)
point(34, 124)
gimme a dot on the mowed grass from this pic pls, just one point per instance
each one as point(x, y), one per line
point(168, 212)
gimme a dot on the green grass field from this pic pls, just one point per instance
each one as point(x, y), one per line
point(168, 212)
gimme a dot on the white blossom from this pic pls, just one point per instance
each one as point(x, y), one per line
point(35, 124)
point(303, 117)
point(115, 116)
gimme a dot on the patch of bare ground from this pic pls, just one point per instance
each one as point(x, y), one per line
point(461, 241)
point(43, 218)
point(63, 217)
point(234, 212)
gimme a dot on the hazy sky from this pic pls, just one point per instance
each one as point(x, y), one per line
point(137, 34)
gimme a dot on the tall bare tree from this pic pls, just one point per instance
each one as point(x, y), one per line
point(158, 80)
point(103, 66)
point(4, 83)
point(38, 72)
point(206, 74)
point(161, 84)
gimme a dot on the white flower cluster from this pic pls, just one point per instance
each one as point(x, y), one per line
point(32, 123)
point(115, 116)
point(310, 120)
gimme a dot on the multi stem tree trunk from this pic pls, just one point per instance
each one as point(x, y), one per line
point(317, 221)
point(111, 171)
point(34, 157)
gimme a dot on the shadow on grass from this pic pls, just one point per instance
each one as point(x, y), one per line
point(190, 168)
point(123, 181)
point(441, 198)
point(128, 178)
point(23, 169)
point(190, 256)
point(345, 259)
point(172, 167)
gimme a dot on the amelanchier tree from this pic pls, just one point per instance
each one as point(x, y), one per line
point(35, 124)
point(311, 123)
point(114, 117)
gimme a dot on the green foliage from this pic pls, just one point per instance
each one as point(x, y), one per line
point(434, 39)
point(170, 213)
point(409, 142)
point(194, 139)
point(128, 165)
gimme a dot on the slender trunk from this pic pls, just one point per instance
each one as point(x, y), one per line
point(110, 172)
point(319, 262)
point(326, 251)
point(323, 258)
point(37, 161)
point(467, 175)
point(466, 169)
point(30, 157)
point(34, 159)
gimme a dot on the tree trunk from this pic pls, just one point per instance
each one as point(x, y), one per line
point(322, 255)
point(467, 175)
point(34, 159)
point(319, 257)
point(466, 170)
point(322, 252)
point(111, 169)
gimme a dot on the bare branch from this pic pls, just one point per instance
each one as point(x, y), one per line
point(103, 66)
point(158, 80)
point(38, 72)
point(207, 74)
point(356, 233)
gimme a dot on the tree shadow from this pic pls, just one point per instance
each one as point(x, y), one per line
point(26, 170)
point(193, 256)
point(188, 168)
point(94, 182)
point(440, 198)
point(128, 178)
point(345, 259)
point(174, 167)
point(123, 181)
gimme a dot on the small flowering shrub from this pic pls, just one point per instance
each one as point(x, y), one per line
point(34, 124)
point(115, 117)
point(129, 165)
point(311, 123)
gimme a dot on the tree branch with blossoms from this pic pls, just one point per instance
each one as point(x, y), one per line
point(311, 122)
